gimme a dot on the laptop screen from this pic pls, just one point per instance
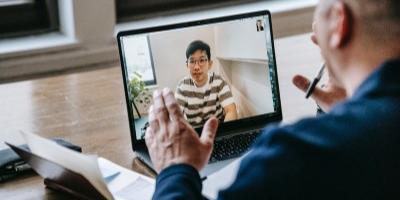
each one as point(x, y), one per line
point(221, 67)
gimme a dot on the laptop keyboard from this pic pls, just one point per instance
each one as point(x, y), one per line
point(233, 146)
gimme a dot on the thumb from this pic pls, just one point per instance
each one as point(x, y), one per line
point(209, 131)
point(302, 83)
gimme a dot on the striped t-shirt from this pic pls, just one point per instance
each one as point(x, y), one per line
point(200, 103)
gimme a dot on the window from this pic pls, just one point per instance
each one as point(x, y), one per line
point(26, 17)
point(139, 60)
point(133, 9)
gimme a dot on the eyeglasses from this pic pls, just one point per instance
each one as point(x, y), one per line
point(201, 62)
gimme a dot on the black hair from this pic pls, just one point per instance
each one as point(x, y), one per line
point(198, 45)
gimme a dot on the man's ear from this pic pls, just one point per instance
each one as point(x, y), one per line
point(210, 63)
point(341, 21)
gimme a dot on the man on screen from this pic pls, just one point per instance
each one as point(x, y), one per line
point(204, 94)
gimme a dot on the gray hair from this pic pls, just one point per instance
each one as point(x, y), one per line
point(380, 18)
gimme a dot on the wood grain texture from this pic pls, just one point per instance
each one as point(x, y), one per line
point(88, 109)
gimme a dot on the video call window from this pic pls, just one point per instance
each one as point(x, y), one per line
point(224, 70)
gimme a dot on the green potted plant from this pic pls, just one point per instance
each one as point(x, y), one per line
point(140, 95)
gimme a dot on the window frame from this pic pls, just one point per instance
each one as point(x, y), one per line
point(151, 82)
point(154, 82)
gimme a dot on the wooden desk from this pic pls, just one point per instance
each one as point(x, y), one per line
point(88, 109)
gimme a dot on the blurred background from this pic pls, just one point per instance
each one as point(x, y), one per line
point(46, 37)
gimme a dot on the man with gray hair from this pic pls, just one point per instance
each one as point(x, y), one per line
point(351, 152)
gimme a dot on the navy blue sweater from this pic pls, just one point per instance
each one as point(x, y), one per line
point(352, 152)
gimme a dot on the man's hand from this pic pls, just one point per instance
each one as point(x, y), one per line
point(327, 96)
point(171, 140)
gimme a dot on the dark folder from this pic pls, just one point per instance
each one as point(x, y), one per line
point(11, 165)
point(57, 177)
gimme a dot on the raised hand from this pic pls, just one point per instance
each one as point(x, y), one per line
point(326, 97)
point(171, 140)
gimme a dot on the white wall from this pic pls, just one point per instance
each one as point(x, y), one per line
point(169, 53)
point(94, 23)
point(253, 89)
point(240, 39)
point(243, 54)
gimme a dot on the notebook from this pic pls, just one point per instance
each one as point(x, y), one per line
point(82, 176)
point(223, 67)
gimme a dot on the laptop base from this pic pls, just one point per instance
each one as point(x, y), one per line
point(209, 169)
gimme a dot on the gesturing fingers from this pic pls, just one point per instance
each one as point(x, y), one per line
point(325, 96)
point(302, 83)
point(173, 108)
point(150, 131)
point(149, 137)
point(159, 109)
point(209, 132)
point(153, 122)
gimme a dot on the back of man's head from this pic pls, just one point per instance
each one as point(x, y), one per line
point(356, 36)
point(379, 19)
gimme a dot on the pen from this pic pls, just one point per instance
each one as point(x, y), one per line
point(314, 83)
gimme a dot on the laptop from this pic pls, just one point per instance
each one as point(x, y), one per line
point(223, 67)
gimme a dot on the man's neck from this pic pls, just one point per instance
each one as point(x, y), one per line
point(201, 84)
point(355, 76)
point(360, 69)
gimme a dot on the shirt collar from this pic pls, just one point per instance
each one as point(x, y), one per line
point(384, 79)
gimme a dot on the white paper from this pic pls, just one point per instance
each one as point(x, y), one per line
point(108, 173)
point(140, 189)
point(77, 162)
point(221, 179)
point(127, 184)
